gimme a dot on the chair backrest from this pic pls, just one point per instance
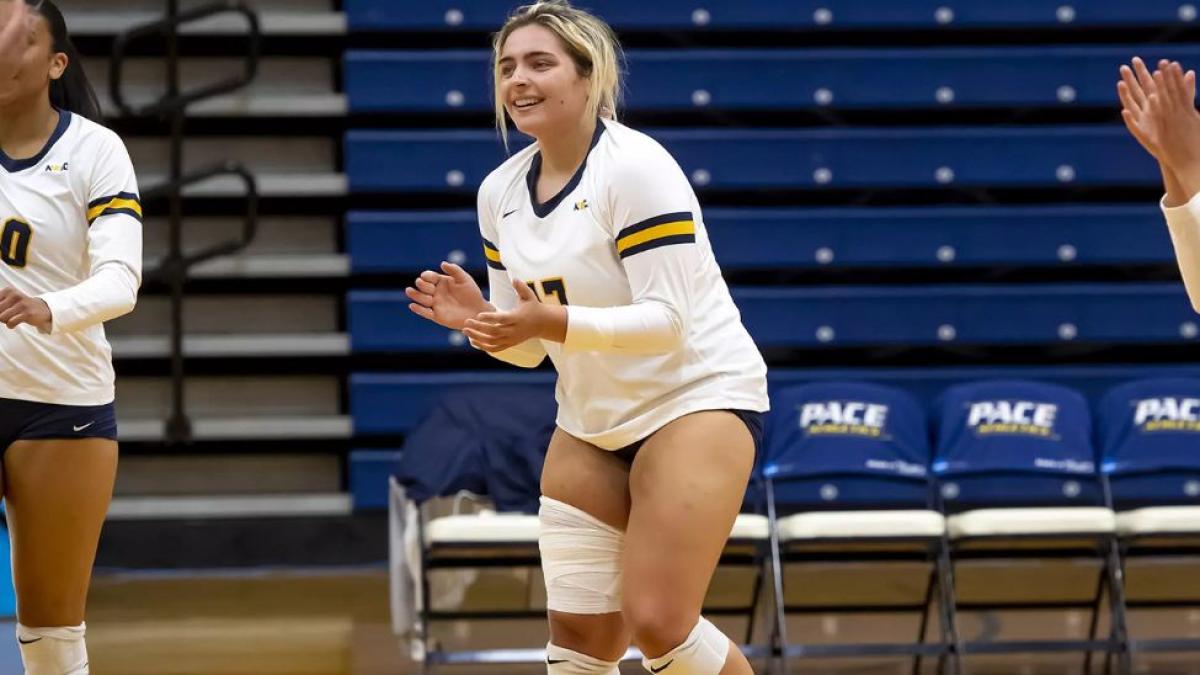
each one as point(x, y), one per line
point(488, 440)
point(846, 445)
point(1149, 438)
point(1014, 443)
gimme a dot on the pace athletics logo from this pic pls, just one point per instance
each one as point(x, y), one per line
point(843, 418)
point(1167, 413)
point(1020, 418)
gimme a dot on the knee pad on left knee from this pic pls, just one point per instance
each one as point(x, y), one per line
point(53, 651)
point(702, 653)
point(563, 661)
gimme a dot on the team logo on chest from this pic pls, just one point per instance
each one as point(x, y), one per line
point(58, 168)
point(581, 204)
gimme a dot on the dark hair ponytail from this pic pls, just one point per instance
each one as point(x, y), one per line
point(72, 91)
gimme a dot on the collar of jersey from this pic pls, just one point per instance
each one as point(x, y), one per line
point(14, 165)
point(531, 178)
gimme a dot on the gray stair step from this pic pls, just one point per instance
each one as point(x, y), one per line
point(230, 472)
point(264, 428)
point(269, 185)
point(237, 315)
point(231, 346)
point(231, 506)
point(274, 23)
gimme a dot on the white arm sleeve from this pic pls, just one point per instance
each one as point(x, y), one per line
point(1184, 224)
point(528, 354)
point(114, 248)
point(650, 211)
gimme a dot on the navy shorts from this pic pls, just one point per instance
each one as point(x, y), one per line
point(752, 420)
point(28, 421)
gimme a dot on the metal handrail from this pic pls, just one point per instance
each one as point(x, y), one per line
point(173, 106)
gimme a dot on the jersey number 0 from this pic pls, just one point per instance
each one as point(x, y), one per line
point(14, 242)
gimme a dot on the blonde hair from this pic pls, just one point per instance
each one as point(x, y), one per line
point(590, 42)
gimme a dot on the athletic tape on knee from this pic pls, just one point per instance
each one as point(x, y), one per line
point(53, 651)
point(581, 560)
point(563, 661)
point(702, 653)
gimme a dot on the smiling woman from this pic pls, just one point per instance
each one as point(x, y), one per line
point(661, 390)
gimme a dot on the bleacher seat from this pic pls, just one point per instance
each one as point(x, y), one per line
point(1017, 471)
point(846, 472)
point(476, 15)
point(782, 79)
point(777, 238)
point(379, 321)
point(758, 159)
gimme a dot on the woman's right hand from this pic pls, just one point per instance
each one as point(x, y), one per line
point(447, 299)
point(1135, 88)
point(16, 33)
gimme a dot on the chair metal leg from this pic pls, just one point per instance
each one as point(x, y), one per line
point(1119, 640)
point(948, 602)
point(924, 625)
point(757, 593)
point(1094, 624)
point(778, 640)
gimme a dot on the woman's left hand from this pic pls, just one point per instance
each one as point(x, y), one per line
point(530, 319)
point(17, 308)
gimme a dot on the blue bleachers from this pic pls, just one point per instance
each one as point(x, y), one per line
point(379, 321)
point(425, 161)
point(770, 238)
point(392, 403)
point(476, 15)
point(786, 79)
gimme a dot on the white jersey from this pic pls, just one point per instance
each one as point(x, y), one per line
point(1184, 224)
point(71, 234)
point(652, 333)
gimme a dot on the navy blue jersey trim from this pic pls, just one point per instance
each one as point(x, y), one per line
point(14, 165)
point(654, 222)
point(653, 244)
point(531, 178)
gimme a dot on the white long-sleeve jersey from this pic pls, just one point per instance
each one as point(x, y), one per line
point(70, 234)
point(652, 332)
point(1183, 222)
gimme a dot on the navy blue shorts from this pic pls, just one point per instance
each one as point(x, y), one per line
point(752, 420)
point(28, 421)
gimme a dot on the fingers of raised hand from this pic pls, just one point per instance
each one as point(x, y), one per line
point(430, 276)
point(421, 311)
point(418, 297)
point(1130, 91)
point(426, 286)
point(455, 272)
point(1144, 78)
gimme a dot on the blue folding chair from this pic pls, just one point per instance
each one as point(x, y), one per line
point(1018, 480)
point(846, 475)
point(487, 441)
point(1149, 437)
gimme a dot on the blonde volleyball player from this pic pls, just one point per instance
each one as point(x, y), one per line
point(599, 258)
point(1159, 109)
point(70, 259)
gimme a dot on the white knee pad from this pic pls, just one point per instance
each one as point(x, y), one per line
point(563, 661)
point(702, 653)
point(53, 651)
point(581, 560)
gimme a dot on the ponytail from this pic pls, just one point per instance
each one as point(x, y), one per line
point(72, 92)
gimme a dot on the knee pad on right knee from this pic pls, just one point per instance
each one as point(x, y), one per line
point(53, 651)
point(581, 560)
point(702, 653)
point(563, 661)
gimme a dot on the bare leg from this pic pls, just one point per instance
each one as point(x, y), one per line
point(687, 485)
